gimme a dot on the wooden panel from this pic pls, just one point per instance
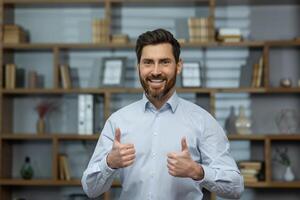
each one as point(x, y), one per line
point(56, 64)
point(268, 161)
point(6, 160)
point(7, 111)
point(55, 149)
point(107, 105)
point(266, 64)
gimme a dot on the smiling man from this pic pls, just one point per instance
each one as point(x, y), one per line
point(163, 147)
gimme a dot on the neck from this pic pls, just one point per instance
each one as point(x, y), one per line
point(158, 103)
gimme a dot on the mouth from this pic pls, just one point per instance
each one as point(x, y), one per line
point(156, 83)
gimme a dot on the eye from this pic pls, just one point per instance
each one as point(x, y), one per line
point(147, 62)
point(165, 62)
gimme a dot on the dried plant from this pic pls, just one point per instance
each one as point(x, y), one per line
point(44, 107)
point(282, 156)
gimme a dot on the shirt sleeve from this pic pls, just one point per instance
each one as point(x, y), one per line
point(221, 174)
point(98, 176)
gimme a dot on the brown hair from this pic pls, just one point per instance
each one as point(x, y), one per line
point(157, 36)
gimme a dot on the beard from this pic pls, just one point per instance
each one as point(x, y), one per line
point(158, 94)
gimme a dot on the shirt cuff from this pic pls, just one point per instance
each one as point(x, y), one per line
point(107, 171)
point(209, 175)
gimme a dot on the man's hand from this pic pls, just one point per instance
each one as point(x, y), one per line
point(121, 155)
point(182, 165)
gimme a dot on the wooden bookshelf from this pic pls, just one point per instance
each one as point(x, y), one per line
point(7, 137)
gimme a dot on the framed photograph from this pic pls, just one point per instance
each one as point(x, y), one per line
point(113, 71)
point(191, 75)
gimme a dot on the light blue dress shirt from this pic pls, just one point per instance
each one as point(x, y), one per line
point(155, 133)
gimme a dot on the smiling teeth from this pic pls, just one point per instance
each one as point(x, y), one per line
point(156, 81)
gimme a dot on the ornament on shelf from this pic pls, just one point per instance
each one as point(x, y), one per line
point(243, 123)
point(43, 108)
point(27, 170)
point(287, 121)
point(230, 121)
point(282, 157)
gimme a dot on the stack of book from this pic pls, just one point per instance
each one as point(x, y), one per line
point(65, 75)
point(229, 35)
point(10, 76)
point(120, 39)
point(13, 34)
point(101, 31)
point(250, 170)
point(257, 73)
point(63, 167)
point(201, 29)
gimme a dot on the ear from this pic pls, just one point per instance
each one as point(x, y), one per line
point(179, 66)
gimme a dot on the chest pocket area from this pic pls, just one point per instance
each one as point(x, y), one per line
point(194, 149)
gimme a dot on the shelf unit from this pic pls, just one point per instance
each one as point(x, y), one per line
point(6, 95)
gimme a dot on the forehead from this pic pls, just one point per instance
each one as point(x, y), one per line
point(157, 51)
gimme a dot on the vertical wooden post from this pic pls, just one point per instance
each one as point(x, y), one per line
point(56, 72)
point(212, 8)
point(55, 147)
point(266, 64)
point(107, 105)
point(268, 159)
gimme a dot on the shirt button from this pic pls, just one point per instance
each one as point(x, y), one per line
point(155, 133)
point(153, 155)
point(152, 174)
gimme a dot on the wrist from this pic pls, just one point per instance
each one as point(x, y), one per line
point(197, 172)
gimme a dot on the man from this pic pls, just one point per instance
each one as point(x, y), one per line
point(163, 147)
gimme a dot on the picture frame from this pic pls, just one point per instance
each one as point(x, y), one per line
point(191, 75)
point(112, 72)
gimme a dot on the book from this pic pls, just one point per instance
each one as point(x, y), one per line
point(260, 72)
point(65, 77)
point(64, 169)
point(85, 114)
point(10, 76)
point(250, 165)
point(32, 79)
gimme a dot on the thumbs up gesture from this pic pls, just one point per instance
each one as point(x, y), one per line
point(181, 164)
point(121, 155)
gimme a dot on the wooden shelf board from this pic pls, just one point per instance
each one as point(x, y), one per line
point(293, 137)
point(260, 184)
point(25, 136)
point(26, 91)
point(46, 182)
point(283, 90)
point(283, 184)
point(246, 137)
point(31, 136)
point(12, 2)
point(283, 43)
point(114, 46)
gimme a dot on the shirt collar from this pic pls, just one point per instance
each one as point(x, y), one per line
point(172, 102)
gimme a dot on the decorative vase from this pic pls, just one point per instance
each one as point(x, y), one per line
point(243, 123)
point(27, 170)
point(288, 174)
point(287, 121)
point(40, 126)
point(230, 122)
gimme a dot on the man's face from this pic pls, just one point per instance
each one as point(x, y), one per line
point(158, 70)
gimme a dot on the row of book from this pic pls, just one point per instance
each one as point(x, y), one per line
point(14, 34)
point(250, 170)
point(101, 33)
point(201, 29)
point(15, 77)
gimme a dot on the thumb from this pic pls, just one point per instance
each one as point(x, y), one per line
point(118, 135)
point(184, 145)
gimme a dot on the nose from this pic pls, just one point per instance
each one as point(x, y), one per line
point(156, 70)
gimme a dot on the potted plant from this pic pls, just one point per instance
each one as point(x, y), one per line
point(282, 157)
